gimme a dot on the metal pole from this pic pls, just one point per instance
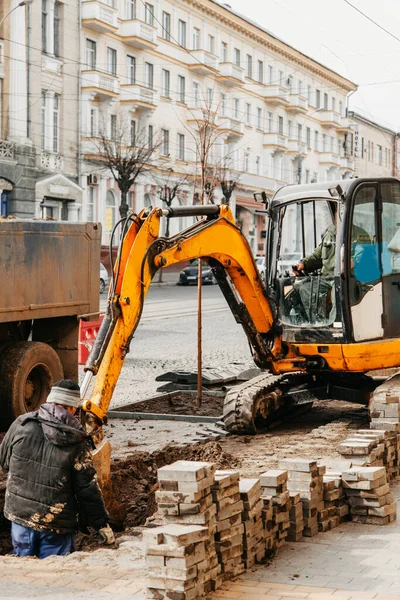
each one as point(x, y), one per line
point(23, 3)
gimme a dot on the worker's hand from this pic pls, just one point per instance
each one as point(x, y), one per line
point(107, 535)
point(298, 268)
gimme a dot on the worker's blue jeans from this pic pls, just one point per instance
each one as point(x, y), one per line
point(28, 542)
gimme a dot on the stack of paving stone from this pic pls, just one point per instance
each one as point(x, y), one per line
point(384, 409)
point(335, 509)
point(253, 537)
point(369, 495)
point(276, 503)
point(295, 531)
point(229, 528)
point(178, 567)
point(305, 477)
point(185, 498)
point(375, 448)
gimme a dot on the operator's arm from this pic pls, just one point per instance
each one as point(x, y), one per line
point(87, 491)
point(313, 262)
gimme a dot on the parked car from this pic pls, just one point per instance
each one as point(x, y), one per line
point(190, 274)
point(260, 262)
point(104, 279)
point(286, 261)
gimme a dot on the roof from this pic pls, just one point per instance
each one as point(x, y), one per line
point(360, 117)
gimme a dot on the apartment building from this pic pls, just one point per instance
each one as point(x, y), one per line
point(373, 147)
point(39, 116)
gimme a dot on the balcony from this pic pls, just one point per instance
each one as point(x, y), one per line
point(233, 128)
point(138, 34)
point(329, 158)
point(99, 16)
point(328, 118)
point(230, 74)
point(347, 163)
point(275, 140)
point(276, 94)
point(140, 98)
point(344, 125)
point(297, 104)
point(102, 84)
point(199, 115)
point(51, 161)
point(296, 147)
point(259, 182)
point(202, 62)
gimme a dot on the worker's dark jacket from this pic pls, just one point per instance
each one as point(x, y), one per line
point(51, 475)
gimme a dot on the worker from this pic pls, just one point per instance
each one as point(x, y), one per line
point(51, 478)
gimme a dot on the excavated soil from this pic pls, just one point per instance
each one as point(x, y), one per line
point(179, 404)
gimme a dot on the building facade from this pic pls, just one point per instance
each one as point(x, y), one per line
point(281, 116)
point(373, 147)
point(39, 116)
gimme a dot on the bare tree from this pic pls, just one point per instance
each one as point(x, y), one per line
point(169, 184)
point(124, 150)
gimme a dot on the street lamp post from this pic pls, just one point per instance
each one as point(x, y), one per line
point(22, 3)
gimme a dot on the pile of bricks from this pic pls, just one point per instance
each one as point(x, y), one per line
point(375, 448)
point(369, 495)
point(229, 528)
point(335, 509)
point(305, 478)
point(296, 528)
point(384, 409)
point(178, 568)
point(253, 536)
point(185, 498)
point(276, 503)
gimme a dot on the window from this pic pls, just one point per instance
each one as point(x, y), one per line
point(211, 44)
point(260, 71)
point(270, 74)
point(110, 211)
point(280, 125)
point(308, 138)
point(90, 55)
point(90, 204)
point(341, 108)
point(196, 93)
point(249, 66)
point(130, 69)
point(258, 165)
point(270, 122)
point(224, 52)
point(181, 146)
point(316, 141)
point(369, 151)
point(307, 176)
point(248, 113)
point(280, 77)
point(210, 95)
point(317, 98)
point(149, 14)
point(113, 128)
point(334, 104)
point(150, 137)
point(43, 120)
point(236, 56)
point(166, 83)
point(44, 25)
point(315, 177)
point(148, 75)
point(299, 132)
point(236, 108)
point(196, 38)
point(309, 94)
point(112, 61)
point(223, 104)
point(133, 132)
point(56, 122)
point(259, 118)
point(326, 101)
point(93, 122)
point(300, 87)
point(246, 163)
point(324, 142)
point(290, 130)
point(181, 88)
point(57, 19)
point(165, 142)
point(379, 155)
point(130, 10)
point(166, 26)
point(182, 33)
point(332, 143)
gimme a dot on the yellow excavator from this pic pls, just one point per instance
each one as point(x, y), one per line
point(318, 330)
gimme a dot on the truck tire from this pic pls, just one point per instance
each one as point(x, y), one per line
point(27, 373)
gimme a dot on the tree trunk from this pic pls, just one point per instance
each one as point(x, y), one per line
point(123, 207)
point(167, 228)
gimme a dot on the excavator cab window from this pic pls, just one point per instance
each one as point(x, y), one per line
point(308, 233)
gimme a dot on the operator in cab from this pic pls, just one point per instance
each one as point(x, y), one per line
point(51, 477)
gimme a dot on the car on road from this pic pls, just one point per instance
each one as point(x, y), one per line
point(104, 279)
point(260, 262)
point(190, 274)
point(286, 262)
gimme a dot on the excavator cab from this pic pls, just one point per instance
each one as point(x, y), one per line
point(351, 293)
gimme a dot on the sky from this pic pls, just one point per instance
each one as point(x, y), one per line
point(339, 37)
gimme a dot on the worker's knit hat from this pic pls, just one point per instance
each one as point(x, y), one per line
point(62, 395)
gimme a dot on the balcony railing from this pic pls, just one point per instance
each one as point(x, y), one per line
point(297, 103)
point(231, 74)
point(328, 118)
point(329, 158)
point(138, 34)
point(233, 127)
point(204, 115)
point(202, 62)
point(51, 161)
point(6, 150)
point(99, 16)
point(347, 162)
point(102, 83)
point(276, 140)
point(296, 147)
point(139, 97)
point(276, 94)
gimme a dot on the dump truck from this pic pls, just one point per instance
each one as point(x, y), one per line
point(49, 273)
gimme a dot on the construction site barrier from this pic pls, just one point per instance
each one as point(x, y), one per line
point(88, 331)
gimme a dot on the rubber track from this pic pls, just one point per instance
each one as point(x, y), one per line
point(240, 400)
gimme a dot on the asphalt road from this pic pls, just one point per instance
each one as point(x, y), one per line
point(166, 339)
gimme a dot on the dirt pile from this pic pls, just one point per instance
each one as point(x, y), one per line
point(178, 403)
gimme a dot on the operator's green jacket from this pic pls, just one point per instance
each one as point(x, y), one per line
point(323, 256)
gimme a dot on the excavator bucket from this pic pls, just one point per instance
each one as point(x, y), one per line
point(102, 464)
